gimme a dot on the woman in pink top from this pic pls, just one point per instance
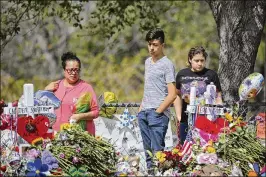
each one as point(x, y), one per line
point(68, 90)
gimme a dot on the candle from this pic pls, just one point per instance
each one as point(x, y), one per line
point(28, 92)
point(192, 96)
point(210, 94)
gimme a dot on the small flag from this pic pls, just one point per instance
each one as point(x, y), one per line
point(186, 151)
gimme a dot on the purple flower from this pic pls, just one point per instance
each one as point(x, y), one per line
point(47, 158)
point(55, 165)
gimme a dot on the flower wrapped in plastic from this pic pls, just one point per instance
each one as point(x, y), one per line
point(82, 105)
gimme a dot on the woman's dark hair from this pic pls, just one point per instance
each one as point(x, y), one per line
point(69, 56)
point(196, 50)
point(155, 33)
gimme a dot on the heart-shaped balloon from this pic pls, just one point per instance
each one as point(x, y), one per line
point(30, 129)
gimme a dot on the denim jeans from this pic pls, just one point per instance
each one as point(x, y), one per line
point(153, 128)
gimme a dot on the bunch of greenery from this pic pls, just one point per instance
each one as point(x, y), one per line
point(74, 147)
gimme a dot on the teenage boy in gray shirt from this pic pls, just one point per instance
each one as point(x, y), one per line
point(159, 94)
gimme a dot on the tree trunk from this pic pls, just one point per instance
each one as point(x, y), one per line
point(240, 25)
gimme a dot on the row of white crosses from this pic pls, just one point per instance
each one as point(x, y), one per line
point(28, 107)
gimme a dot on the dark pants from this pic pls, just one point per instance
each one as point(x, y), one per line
point(183, 129)
point(153, 128)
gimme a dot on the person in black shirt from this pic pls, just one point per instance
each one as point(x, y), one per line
point(195, 75)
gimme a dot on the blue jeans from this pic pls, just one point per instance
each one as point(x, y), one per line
point(153, 127)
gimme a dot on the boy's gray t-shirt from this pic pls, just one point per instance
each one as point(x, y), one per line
point(157, 76)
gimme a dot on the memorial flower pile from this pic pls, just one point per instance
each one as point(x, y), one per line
point(74, 147)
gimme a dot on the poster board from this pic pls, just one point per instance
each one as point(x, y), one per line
point(261, 126)
point(127, 140)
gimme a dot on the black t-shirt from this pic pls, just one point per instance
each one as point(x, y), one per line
point(185, 78)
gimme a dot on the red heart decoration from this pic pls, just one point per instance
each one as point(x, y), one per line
point(30, 129)
point(212, 127)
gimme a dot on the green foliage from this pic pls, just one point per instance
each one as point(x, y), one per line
point(12, 89)
point(117, 64)
point(110, 42)
point(113, 16)
point(14, 13)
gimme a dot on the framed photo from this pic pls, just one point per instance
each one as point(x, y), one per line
point(23, 148)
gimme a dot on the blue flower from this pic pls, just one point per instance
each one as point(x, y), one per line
point(36, 168)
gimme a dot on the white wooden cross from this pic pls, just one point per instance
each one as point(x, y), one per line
point(29, 109)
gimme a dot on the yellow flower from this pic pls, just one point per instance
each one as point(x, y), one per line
point(160, 156)
point(239, 120)
point(98, 138)
point(210, 149)
point(65, 126)
point(175, 151)
point(228, 117)
point(122, 174)
point(210, 142)
point(126, 158)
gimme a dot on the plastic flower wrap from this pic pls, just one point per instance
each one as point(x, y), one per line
point(81, 106)
point(207, 158)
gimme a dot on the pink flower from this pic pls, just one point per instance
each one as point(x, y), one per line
point(75, 160)
point(78, 149)
point(62, 155)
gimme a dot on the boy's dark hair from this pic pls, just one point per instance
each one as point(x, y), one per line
point(69, 56)
point(155, 33)
point(196, 50)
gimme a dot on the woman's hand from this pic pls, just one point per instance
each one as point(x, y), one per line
point(53, 86)
point(75, 117)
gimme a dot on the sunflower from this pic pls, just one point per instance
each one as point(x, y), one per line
point(37, 141)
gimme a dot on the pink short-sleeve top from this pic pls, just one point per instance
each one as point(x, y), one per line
point(68, 97)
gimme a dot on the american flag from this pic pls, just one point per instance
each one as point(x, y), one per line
point(186, 151)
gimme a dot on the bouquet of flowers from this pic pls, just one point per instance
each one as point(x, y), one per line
point(79, 153)
point(81, 106)
point(168, 162)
